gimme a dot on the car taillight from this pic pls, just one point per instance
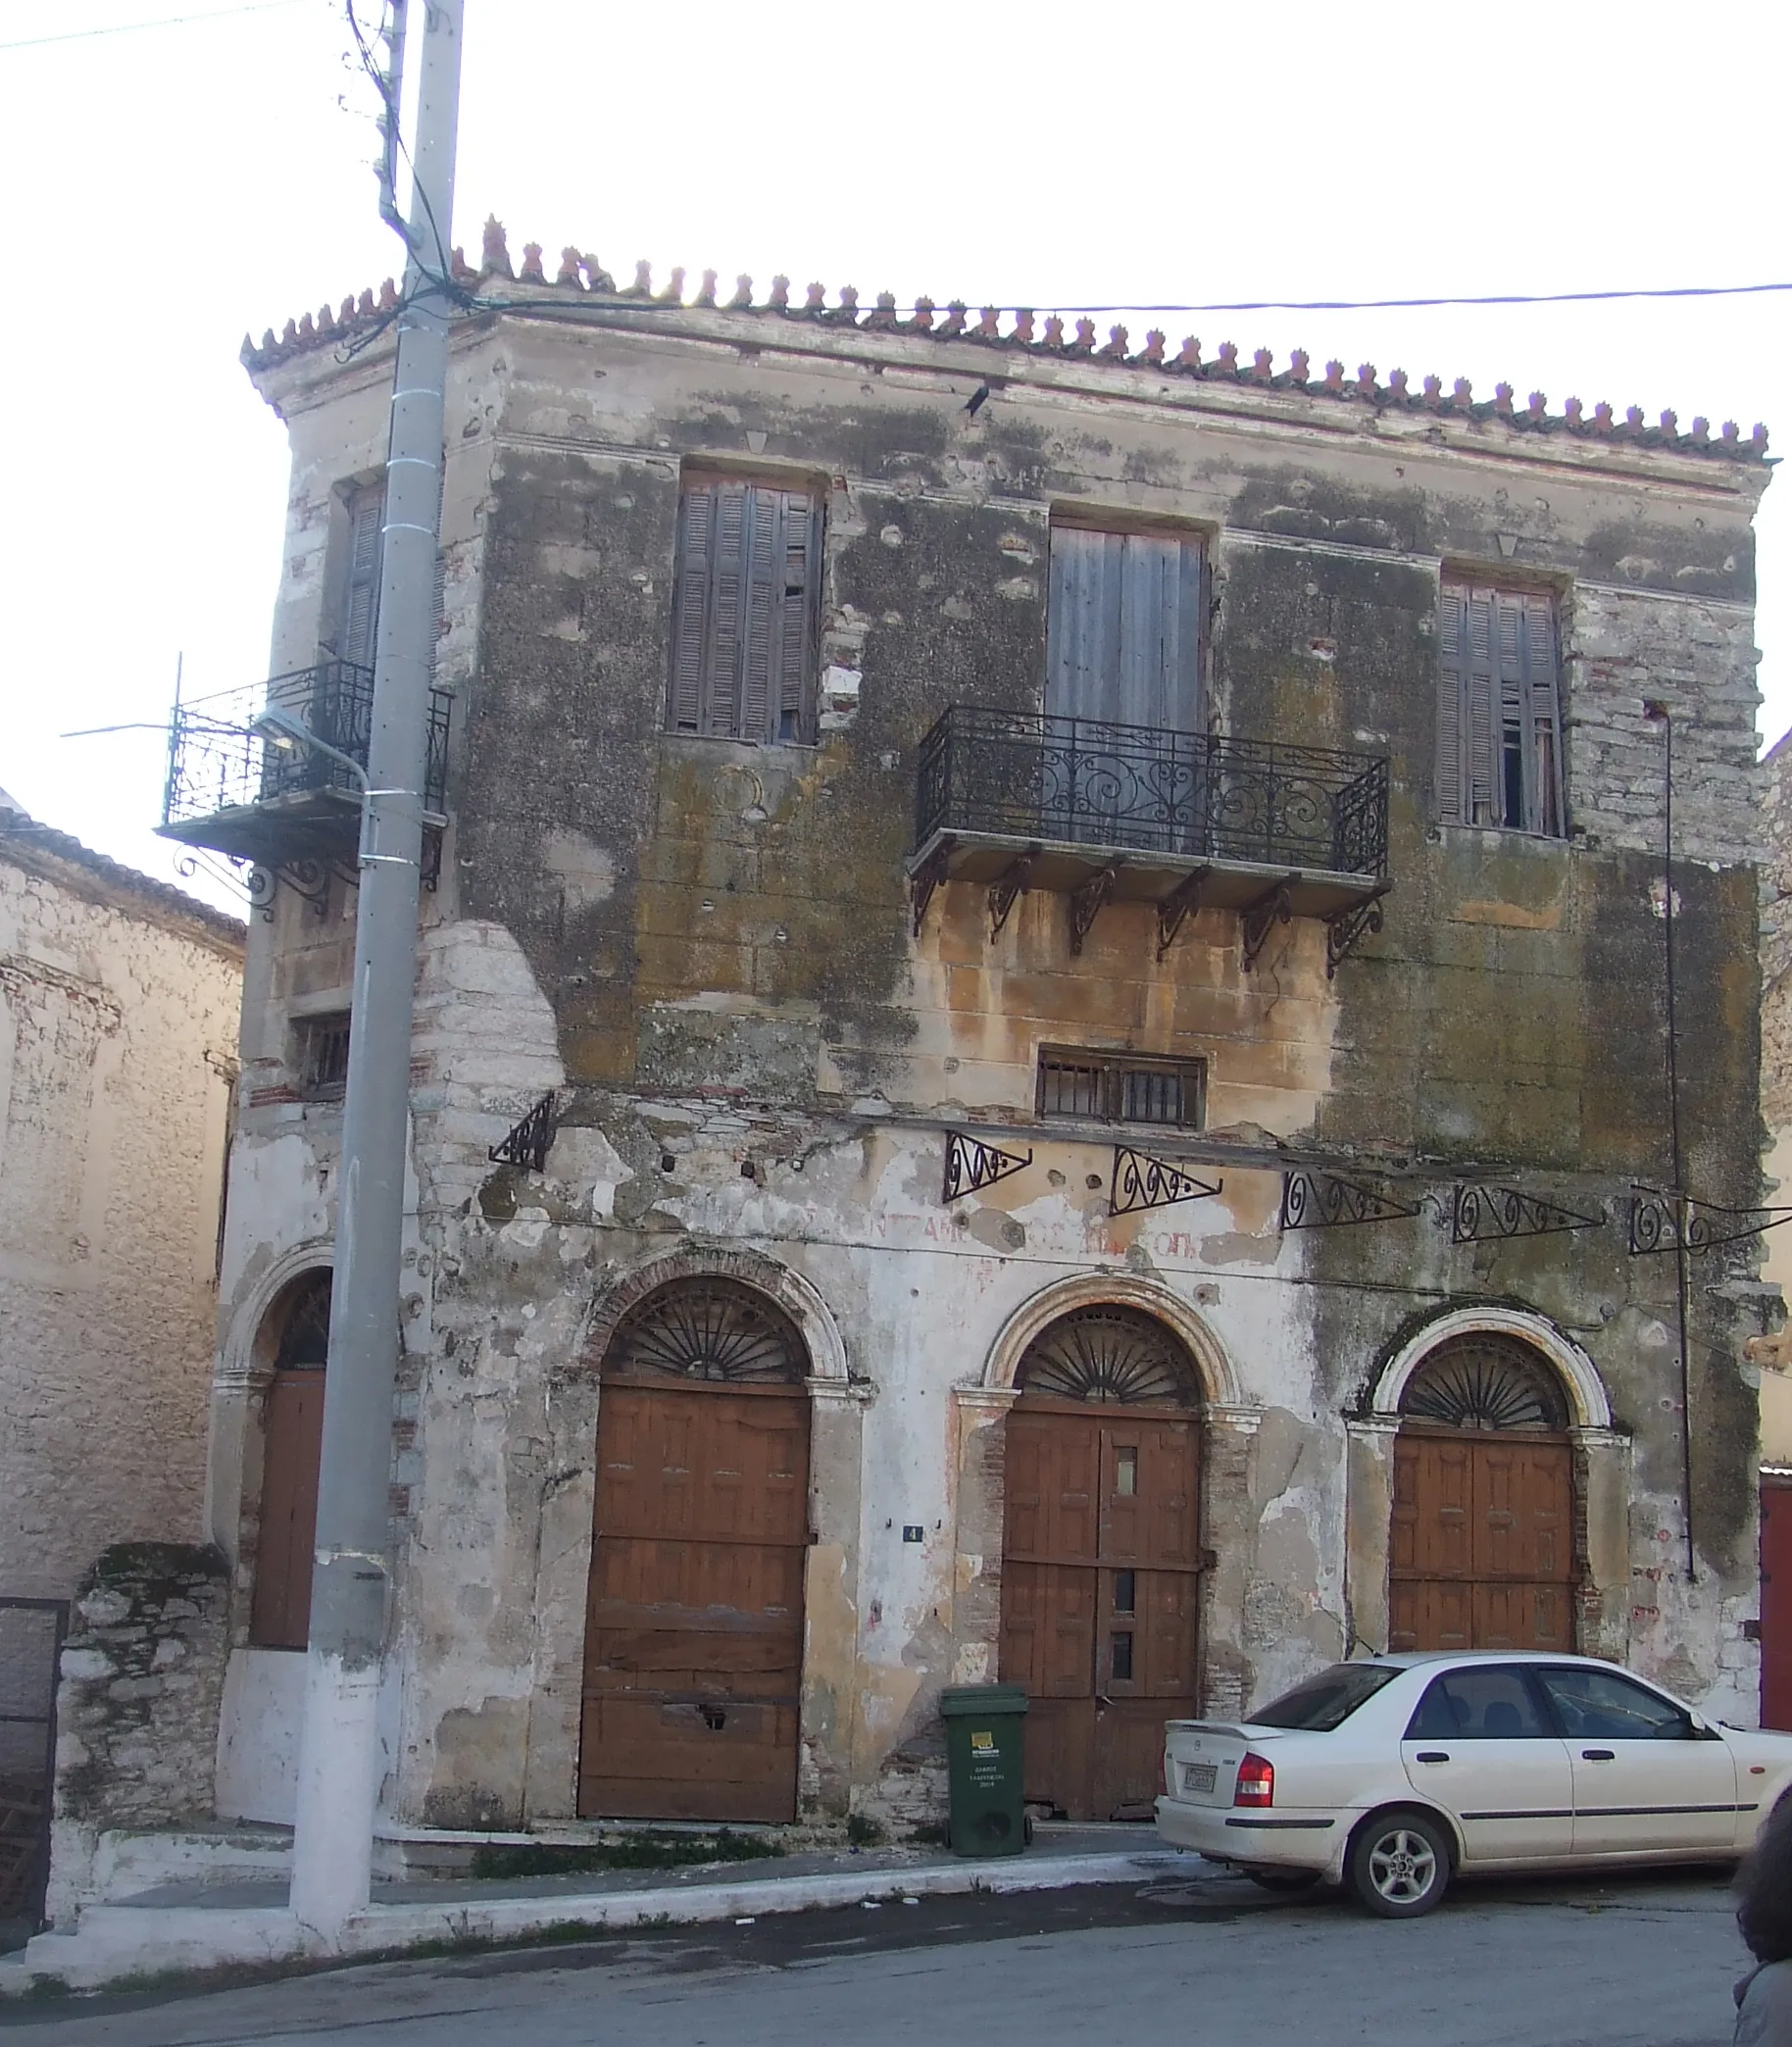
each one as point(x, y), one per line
point(1256, 1784)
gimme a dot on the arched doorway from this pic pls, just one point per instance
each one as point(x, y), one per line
point(1101, 1555)
point(694, 1623)
point(292, 1438)
point(1481, 1547)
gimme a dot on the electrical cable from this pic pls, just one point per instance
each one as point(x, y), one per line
point(38, 42)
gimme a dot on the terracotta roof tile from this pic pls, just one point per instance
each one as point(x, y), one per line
point(581, 272)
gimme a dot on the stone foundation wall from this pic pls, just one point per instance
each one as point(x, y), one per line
point(137, 1706)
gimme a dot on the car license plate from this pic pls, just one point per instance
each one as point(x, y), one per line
point(1197, 1777)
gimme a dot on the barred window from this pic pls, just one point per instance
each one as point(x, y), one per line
point(1499, 710)
point(1121, 1087)
point(322, 1054)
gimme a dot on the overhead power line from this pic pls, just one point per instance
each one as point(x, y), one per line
point(219, 14)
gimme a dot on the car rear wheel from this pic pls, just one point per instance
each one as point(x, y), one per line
point(1399, 1864)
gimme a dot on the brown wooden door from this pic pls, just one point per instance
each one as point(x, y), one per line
point(1480, 1551)
point(1100, 1580)
point(1776, 1606)
point(279, 1613)
point(694, 1629)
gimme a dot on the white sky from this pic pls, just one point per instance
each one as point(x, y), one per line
point(171, 187)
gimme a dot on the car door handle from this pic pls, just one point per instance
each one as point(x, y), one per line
point(1433, 1756)
point(1597, 1756)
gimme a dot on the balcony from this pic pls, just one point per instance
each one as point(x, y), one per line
point(1098, 813)
point(285, 808)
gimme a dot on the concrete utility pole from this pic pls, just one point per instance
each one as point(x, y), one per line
point(339, 1749)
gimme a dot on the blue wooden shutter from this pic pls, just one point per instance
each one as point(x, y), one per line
point(792, 691)
point(1452, 704)
point(689, 688)
point(361, 586)
point(1124, 632)
point(1540, 712)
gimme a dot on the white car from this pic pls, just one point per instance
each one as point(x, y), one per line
point(1390, 1774)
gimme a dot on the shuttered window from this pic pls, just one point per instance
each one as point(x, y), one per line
point(1124, 636)
point(744, 610)
point(360, 617)
point(1499, 710)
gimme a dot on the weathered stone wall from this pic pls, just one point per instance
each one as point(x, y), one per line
point(707, 950)
point(137, 1710)
point(119, 1016)
point(1776, 1072)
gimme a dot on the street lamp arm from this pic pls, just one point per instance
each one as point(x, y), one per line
point(280, 728)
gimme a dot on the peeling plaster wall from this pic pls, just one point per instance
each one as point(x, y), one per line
point(117, 1029)
point(705, 949)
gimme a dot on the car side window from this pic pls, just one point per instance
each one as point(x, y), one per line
point(1491, 1703)
point(1602, 1706)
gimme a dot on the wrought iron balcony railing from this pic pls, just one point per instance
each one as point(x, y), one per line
point(253, 799)
point(1102, 811)
point(1132, 788)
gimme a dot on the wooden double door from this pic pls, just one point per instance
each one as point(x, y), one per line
point(1481, 1549)
point(1100, 1587)
point(694, 1629)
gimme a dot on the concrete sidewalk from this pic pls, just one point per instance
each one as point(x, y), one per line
point(195, 1926)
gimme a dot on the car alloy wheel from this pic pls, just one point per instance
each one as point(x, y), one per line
point(1399, 1866)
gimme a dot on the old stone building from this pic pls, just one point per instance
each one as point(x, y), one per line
point(1039, 1046)
point(119, 1016)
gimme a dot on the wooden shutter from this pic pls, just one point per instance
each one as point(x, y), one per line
point(1468, 785)
point(361, 586)
point(1539, 710)
point(689, 689)
point(1124, 636)
point(744, 612)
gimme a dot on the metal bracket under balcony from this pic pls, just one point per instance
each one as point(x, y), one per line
point(1017, 803)
point(289, 810)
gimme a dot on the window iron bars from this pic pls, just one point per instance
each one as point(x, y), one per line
point(529, 1142)
point(713, 1331)
point(215, 763)
point(32, 1636)
point(1110, 1356)
point(1491, 1382)
point(1197, 795)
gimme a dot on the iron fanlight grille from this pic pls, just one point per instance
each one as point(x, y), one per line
point(1490, 1383)
point(305, 1332)
point(709, 1329)
point(1110, 1356)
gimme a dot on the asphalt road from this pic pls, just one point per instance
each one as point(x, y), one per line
point(1641, 1962)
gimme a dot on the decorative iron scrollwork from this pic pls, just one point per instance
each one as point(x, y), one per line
point(309, 881)
point(925, 879)
point(1256, 919)
point(1662, 1222)
point(1006, 889)
point(710, 1329)
point(1481, 1215)
point(1323, 1201)
point(970, 1164)
point(1180, 904)
point(1343, 927)
point(1485, 1381)
point(1141, 1182)
point(530, 1143)
point(1110, 1355)
point(1087, 902)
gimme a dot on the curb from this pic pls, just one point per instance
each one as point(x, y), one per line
point(116, 1945)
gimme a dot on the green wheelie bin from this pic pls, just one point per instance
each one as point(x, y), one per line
point(984, 1726)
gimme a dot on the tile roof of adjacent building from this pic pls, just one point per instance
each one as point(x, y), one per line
point(581, 272)
point(28, 842)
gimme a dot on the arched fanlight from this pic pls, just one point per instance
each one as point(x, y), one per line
point(304, 1344)
point(1485, 1381)
point(713, 1331)
point(1110, 1355)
